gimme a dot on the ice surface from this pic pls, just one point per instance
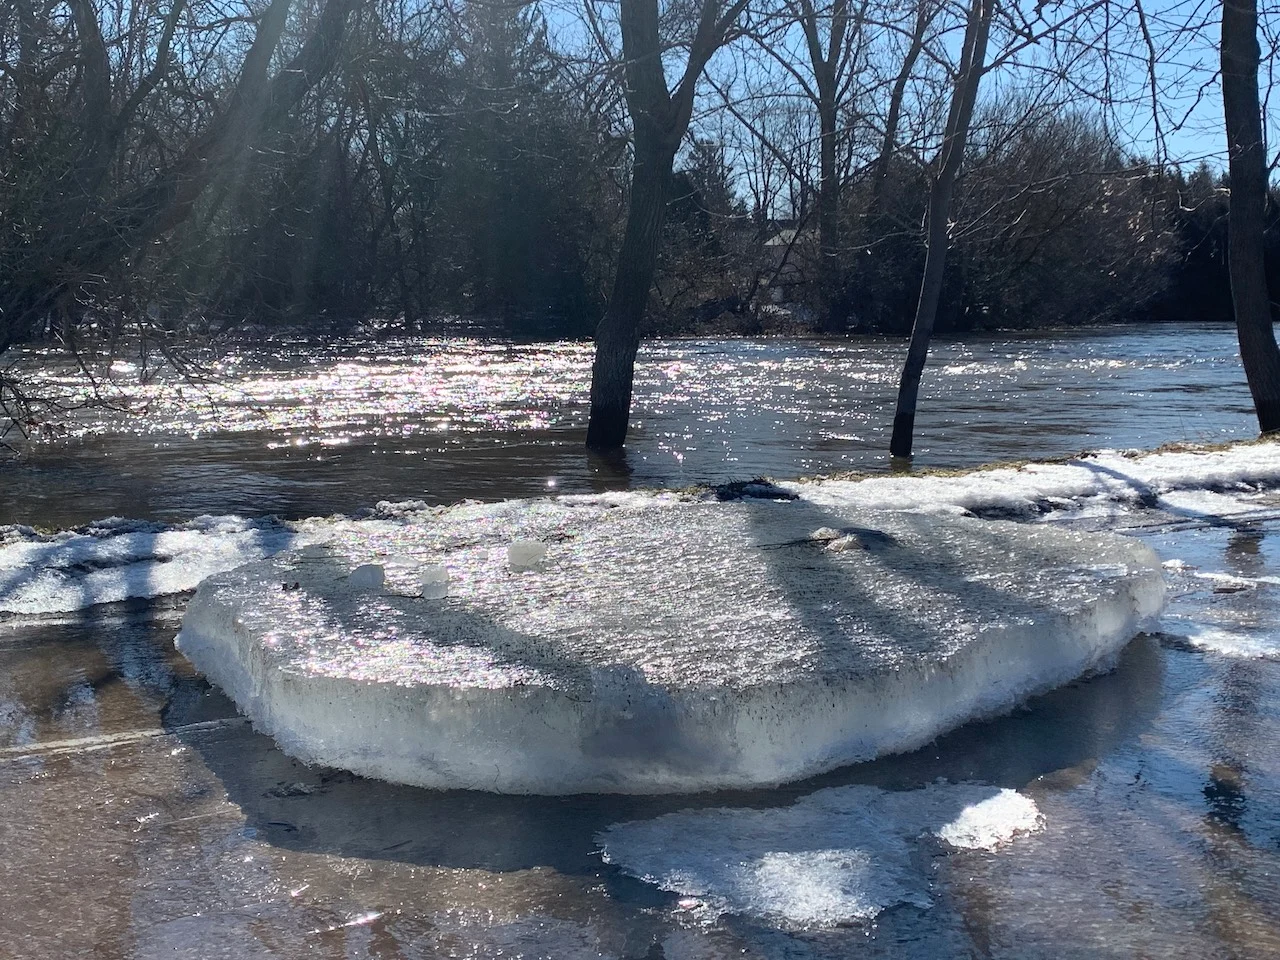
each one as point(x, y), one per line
point(116, 559)
point(662, 646)
point(839, 855)
point(1186, 480)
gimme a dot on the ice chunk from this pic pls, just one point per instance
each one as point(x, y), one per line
point(1184, 480)
point(115, 559)
point(672, 647)
point(434, 578)
point(991, 821)
point(367, 576)
point(526, 554)
point(839, 855)
point(1253, 645)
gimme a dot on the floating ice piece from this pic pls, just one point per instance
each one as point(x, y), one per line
point(526, 554)
point(1252, 645)
point(673, 648)
point(992, 821)
point(114, 559)
point(434, 578)
point(367, 576)
point(837, 856)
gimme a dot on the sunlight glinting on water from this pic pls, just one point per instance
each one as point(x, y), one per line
point(444, 418)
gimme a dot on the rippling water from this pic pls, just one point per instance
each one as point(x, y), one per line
point(298, 430)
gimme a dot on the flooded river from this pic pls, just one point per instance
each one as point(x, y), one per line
point(140, 817)
point(300, 430)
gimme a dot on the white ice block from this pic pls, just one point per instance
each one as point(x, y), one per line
point(434, 578)
point(840, 855)
point(672, 647)
point(367, 576)
point(526, 555)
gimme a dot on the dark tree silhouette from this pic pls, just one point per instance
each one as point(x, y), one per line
point(659, 119)
point(1246, 226)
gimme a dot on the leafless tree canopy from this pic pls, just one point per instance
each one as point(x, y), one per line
point(171, 168)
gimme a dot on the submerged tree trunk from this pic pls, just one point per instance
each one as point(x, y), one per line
point(618, 336)
point(963, 99)
point(660, 119)
point(1248, 169)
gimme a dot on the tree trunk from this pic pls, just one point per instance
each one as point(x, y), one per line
point(889, 143)
point(660, 120)
point(618, 336)
point(1245, 226)
point(963, 99)
point(834, 319)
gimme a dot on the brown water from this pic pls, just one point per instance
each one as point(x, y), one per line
point(140, 817)
point(300, 430)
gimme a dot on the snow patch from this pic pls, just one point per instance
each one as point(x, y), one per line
point(840, 855)
point(116, 559)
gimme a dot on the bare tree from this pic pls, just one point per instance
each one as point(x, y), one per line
point(972, 65)
point(1248, 166)
point(659, 118)
point(832, 37)
point(84, 226)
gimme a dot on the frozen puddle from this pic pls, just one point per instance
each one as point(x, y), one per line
point(837, 856)
point(660, 646)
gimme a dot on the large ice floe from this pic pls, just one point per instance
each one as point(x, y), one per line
point(660, 645)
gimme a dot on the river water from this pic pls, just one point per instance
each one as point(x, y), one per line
point(140, 817)
point(299, 430)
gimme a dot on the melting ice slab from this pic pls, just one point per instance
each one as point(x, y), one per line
point(659, 646)
point(839, 855)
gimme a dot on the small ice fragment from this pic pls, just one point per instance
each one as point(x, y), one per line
point(526, 554)
point(435, 581)
point(992, 821)
point(842, 544)
point(367, 576)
